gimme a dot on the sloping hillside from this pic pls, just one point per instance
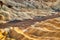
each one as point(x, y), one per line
point(30, 20)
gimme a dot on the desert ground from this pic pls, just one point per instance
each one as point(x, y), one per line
point(29, 19)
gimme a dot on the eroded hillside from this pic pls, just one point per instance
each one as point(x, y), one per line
point(30, 20)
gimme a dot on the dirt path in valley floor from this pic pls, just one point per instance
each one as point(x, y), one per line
point(27, 23)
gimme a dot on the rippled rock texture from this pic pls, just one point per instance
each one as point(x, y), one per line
point(30, 20)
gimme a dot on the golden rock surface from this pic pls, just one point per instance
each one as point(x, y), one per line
point(29, 28)
point(44, 30)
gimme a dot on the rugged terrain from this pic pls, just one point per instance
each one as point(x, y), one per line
point(30, 20)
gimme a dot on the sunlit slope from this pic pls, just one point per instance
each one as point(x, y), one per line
point(45, 30)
